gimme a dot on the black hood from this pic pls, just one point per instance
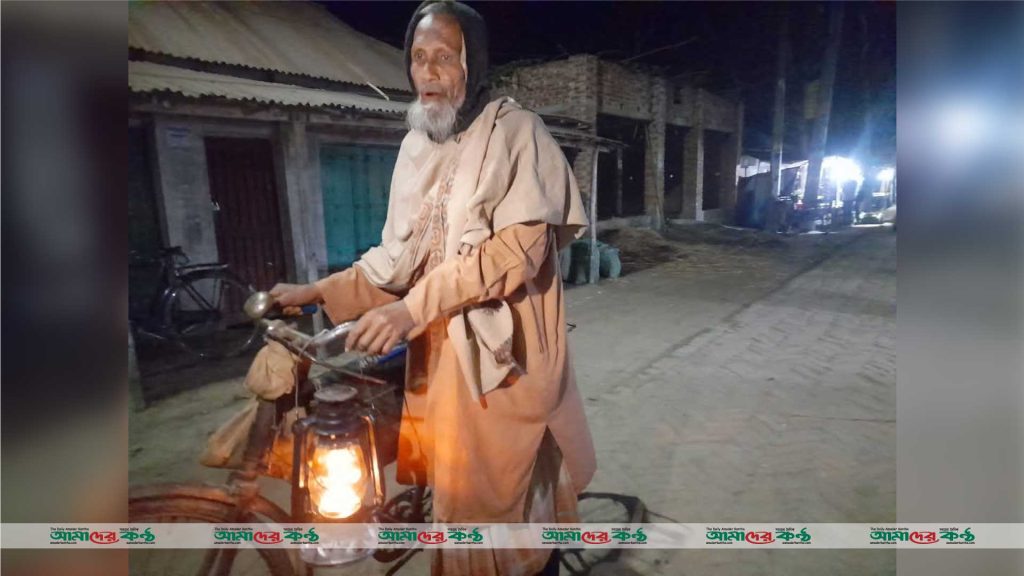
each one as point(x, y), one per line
point(474, 34)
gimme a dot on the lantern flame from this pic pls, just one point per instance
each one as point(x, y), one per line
point(339, 479)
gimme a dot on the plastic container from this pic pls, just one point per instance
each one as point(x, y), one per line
point(580, 273)
point(610, 263)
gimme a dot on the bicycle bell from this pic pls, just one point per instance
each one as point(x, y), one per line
point(257, 305)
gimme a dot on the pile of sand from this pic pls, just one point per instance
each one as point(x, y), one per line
point(642, 248)
point(701, 233)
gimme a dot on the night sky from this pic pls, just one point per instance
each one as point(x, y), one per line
point(728, 48)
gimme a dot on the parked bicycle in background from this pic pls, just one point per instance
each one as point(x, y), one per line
point(196, 306)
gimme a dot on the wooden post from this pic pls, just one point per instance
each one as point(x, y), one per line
point(779, 116)
point(693, 173)
point(618, 183)
point(297, 165)
point(824, 109)
point(595, 262)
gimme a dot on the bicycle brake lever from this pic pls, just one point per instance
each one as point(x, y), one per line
point(278, 329)
point(301, 344)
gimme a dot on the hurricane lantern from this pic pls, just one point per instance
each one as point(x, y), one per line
point(337, 476)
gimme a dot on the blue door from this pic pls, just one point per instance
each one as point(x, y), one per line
point(356, 181)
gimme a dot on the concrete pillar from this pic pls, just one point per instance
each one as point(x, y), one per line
point(582, 168)
point(183, 188)
point(595, 260)
point(693, 164)
point(654, 183)
point(730, 169)
point(583, 102)
point(618, 182)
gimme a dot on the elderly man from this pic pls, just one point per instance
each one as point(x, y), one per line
point(481, 201)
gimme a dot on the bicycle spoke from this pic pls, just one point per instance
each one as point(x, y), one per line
point(224, 563)
point(198, 297)
point(208, 561)
point(190, 562)
point(207, 316)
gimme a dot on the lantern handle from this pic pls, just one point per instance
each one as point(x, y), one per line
point(299, 455)
point(377, 481)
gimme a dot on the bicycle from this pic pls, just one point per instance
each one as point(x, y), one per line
point(373, 392)
point(197, 306)
point(378, 388)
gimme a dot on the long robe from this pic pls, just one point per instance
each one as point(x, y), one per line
point(522, 451)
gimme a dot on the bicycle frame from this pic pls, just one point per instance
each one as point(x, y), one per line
point(242, 489)
point(188, 305)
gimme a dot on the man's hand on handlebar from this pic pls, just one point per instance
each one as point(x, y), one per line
point(381, 329)
point(292, 297)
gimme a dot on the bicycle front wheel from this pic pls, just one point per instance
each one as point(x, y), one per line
point(206, 315)
point(197, 562)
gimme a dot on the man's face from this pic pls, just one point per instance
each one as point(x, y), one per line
point(436, 67)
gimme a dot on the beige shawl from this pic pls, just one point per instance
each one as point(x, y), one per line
point(504, 169)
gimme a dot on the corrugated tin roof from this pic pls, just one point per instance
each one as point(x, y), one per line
point(292, 37)
point(146, 77)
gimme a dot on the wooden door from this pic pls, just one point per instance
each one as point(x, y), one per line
point(356, 182)
point(246, 209)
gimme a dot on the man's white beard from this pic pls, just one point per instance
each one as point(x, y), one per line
point(436, 120)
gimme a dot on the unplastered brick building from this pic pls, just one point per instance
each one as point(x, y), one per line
point(677, 147)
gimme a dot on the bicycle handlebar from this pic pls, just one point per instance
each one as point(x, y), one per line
point(306, 346)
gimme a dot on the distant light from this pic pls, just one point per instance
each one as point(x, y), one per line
point(887, 174)
point(841, 170)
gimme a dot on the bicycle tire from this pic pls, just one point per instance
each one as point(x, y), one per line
point(193, 509)
point(205, 314)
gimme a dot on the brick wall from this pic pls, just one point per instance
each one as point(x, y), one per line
point(719, 113)
point(716, 113)
point(624, 92)
point(565, 87)
point(581, 87)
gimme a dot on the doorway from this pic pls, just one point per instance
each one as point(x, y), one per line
point(246, 207)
